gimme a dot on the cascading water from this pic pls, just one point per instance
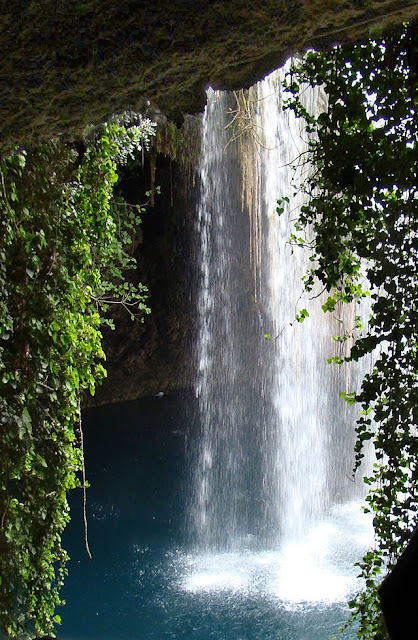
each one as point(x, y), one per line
point(275, 442)
point(272, 527)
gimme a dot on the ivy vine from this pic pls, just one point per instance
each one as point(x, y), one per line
point(363, 209)
point(63, 255)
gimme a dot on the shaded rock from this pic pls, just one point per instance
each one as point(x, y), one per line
point(154, 356)
point(66, 64)
point(399, 594)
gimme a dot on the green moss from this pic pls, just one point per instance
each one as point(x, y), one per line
point(67, 65)
point(167, 139)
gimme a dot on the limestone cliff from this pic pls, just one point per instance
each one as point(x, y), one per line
point(66, 63)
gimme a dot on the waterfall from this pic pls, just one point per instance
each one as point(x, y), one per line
point(274, 440)
point(231, 514)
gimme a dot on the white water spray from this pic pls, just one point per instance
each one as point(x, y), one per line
point(274, 445)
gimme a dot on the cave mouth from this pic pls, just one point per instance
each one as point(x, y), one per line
point(227, 510)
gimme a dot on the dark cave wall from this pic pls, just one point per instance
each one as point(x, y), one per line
point(65, 64)
point(154, 356)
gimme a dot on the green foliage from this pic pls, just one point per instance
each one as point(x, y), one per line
point(303, 313)
point(363, 209)
point(62, 261)
point(167, 139)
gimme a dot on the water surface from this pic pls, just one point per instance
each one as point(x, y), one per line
point(145, 582)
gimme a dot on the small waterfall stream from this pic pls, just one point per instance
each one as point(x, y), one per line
point(275, 442)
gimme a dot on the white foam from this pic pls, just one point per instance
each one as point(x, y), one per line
point(318, 568)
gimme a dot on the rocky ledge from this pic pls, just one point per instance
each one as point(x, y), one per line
point(65, 64)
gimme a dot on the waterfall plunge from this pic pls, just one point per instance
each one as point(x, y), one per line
point(273, 533)
point(274, 449)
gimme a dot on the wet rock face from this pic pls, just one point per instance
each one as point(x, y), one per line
point(154, 356)
point(66, 64)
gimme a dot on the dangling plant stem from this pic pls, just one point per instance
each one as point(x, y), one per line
point(363, 209)
point(62, 262)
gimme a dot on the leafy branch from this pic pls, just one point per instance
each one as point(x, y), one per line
point(363, 213)
point(64, 256)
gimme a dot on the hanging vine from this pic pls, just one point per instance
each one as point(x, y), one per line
point(62, 262)
point(364, 208)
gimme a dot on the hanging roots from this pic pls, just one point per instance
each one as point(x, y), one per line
point(243, 121)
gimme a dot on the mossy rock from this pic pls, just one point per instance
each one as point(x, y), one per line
point(65, 64)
